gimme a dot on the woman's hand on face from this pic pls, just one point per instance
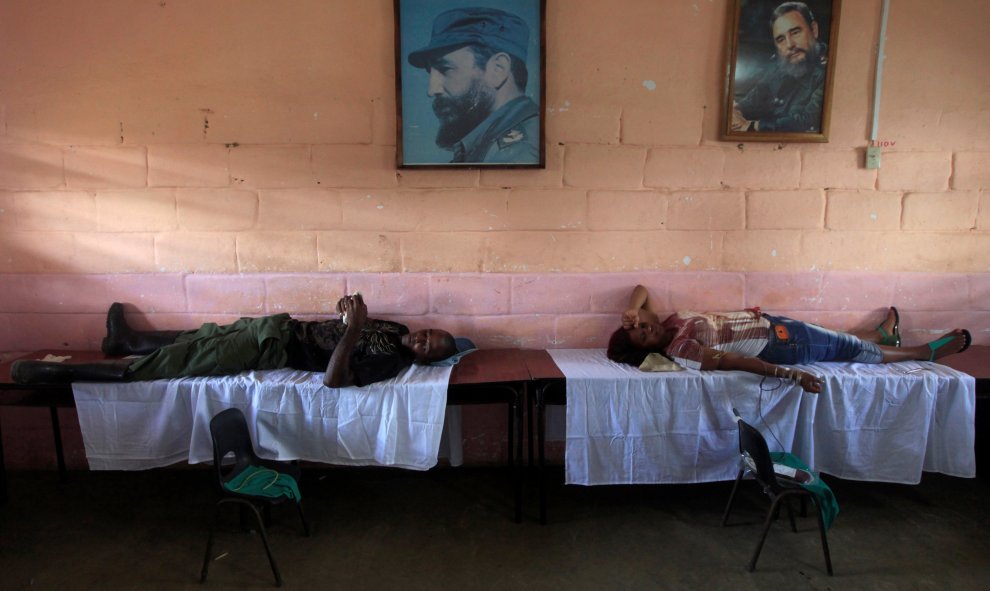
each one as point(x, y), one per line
point(630, 318)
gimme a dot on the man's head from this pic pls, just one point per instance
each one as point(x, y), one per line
point(795, 35)
point(430, 345)
point(476, 60)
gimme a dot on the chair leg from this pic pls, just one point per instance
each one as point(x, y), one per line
point(302, 516)
point(243, 517)
point(732, 498)
point(266, 512)
point(261, 529)
point(790, 515)
point(763, 537)
point(821, 530)
point(264, 540)
point(209, 546)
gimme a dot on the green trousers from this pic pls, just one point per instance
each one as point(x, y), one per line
point(212, 350)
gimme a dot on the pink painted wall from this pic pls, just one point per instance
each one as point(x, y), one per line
point(205, 160)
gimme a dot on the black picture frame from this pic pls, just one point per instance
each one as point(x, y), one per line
point(779, 70)
point(492, 124)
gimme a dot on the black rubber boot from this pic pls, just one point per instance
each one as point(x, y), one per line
point(50, 372)
point(122, 340)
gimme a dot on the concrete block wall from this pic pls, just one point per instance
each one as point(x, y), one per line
point(236, 157)
point(529, 310)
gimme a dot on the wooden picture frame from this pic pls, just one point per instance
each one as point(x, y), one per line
point(470, 83)
point(779, 70)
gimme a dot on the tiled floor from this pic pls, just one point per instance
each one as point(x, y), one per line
point(453, 529)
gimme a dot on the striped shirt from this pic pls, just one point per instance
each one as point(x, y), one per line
point(745, 333)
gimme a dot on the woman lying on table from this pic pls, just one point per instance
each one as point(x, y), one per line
point(759, 343)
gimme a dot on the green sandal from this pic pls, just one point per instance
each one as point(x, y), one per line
point(893, 338)
point(936, 345)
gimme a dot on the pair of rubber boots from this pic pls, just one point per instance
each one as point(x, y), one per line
point(120, 340)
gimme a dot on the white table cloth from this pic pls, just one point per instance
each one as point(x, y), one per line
point(290, 414)
point(885, 423)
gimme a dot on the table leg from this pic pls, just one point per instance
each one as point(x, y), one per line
point(517, 426)
point(511, 435)
point(529, 428)
point(3, 472)
point(540, 444)
point(59, 453)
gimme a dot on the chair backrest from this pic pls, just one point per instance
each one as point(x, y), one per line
point(230, 434)
point(753, 444)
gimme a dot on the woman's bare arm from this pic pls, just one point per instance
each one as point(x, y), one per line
point(640, 308)
point(715, 359)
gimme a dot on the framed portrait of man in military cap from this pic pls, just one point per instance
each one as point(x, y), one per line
point(470, 88)
point(779, 71)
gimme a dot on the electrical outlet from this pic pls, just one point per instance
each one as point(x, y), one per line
point(873, 157)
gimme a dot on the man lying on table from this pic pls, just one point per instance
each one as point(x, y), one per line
point(352, 351)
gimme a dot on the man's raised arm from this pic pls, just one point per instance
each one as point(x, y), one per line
point(339, 372)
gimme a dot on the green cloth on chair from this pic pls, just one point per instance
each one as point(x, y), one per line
point(259, 481)
point(826, 499)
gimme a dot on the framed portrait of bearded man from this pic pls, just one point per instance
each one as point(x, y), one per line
point(470, 85)
point(779, 70)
